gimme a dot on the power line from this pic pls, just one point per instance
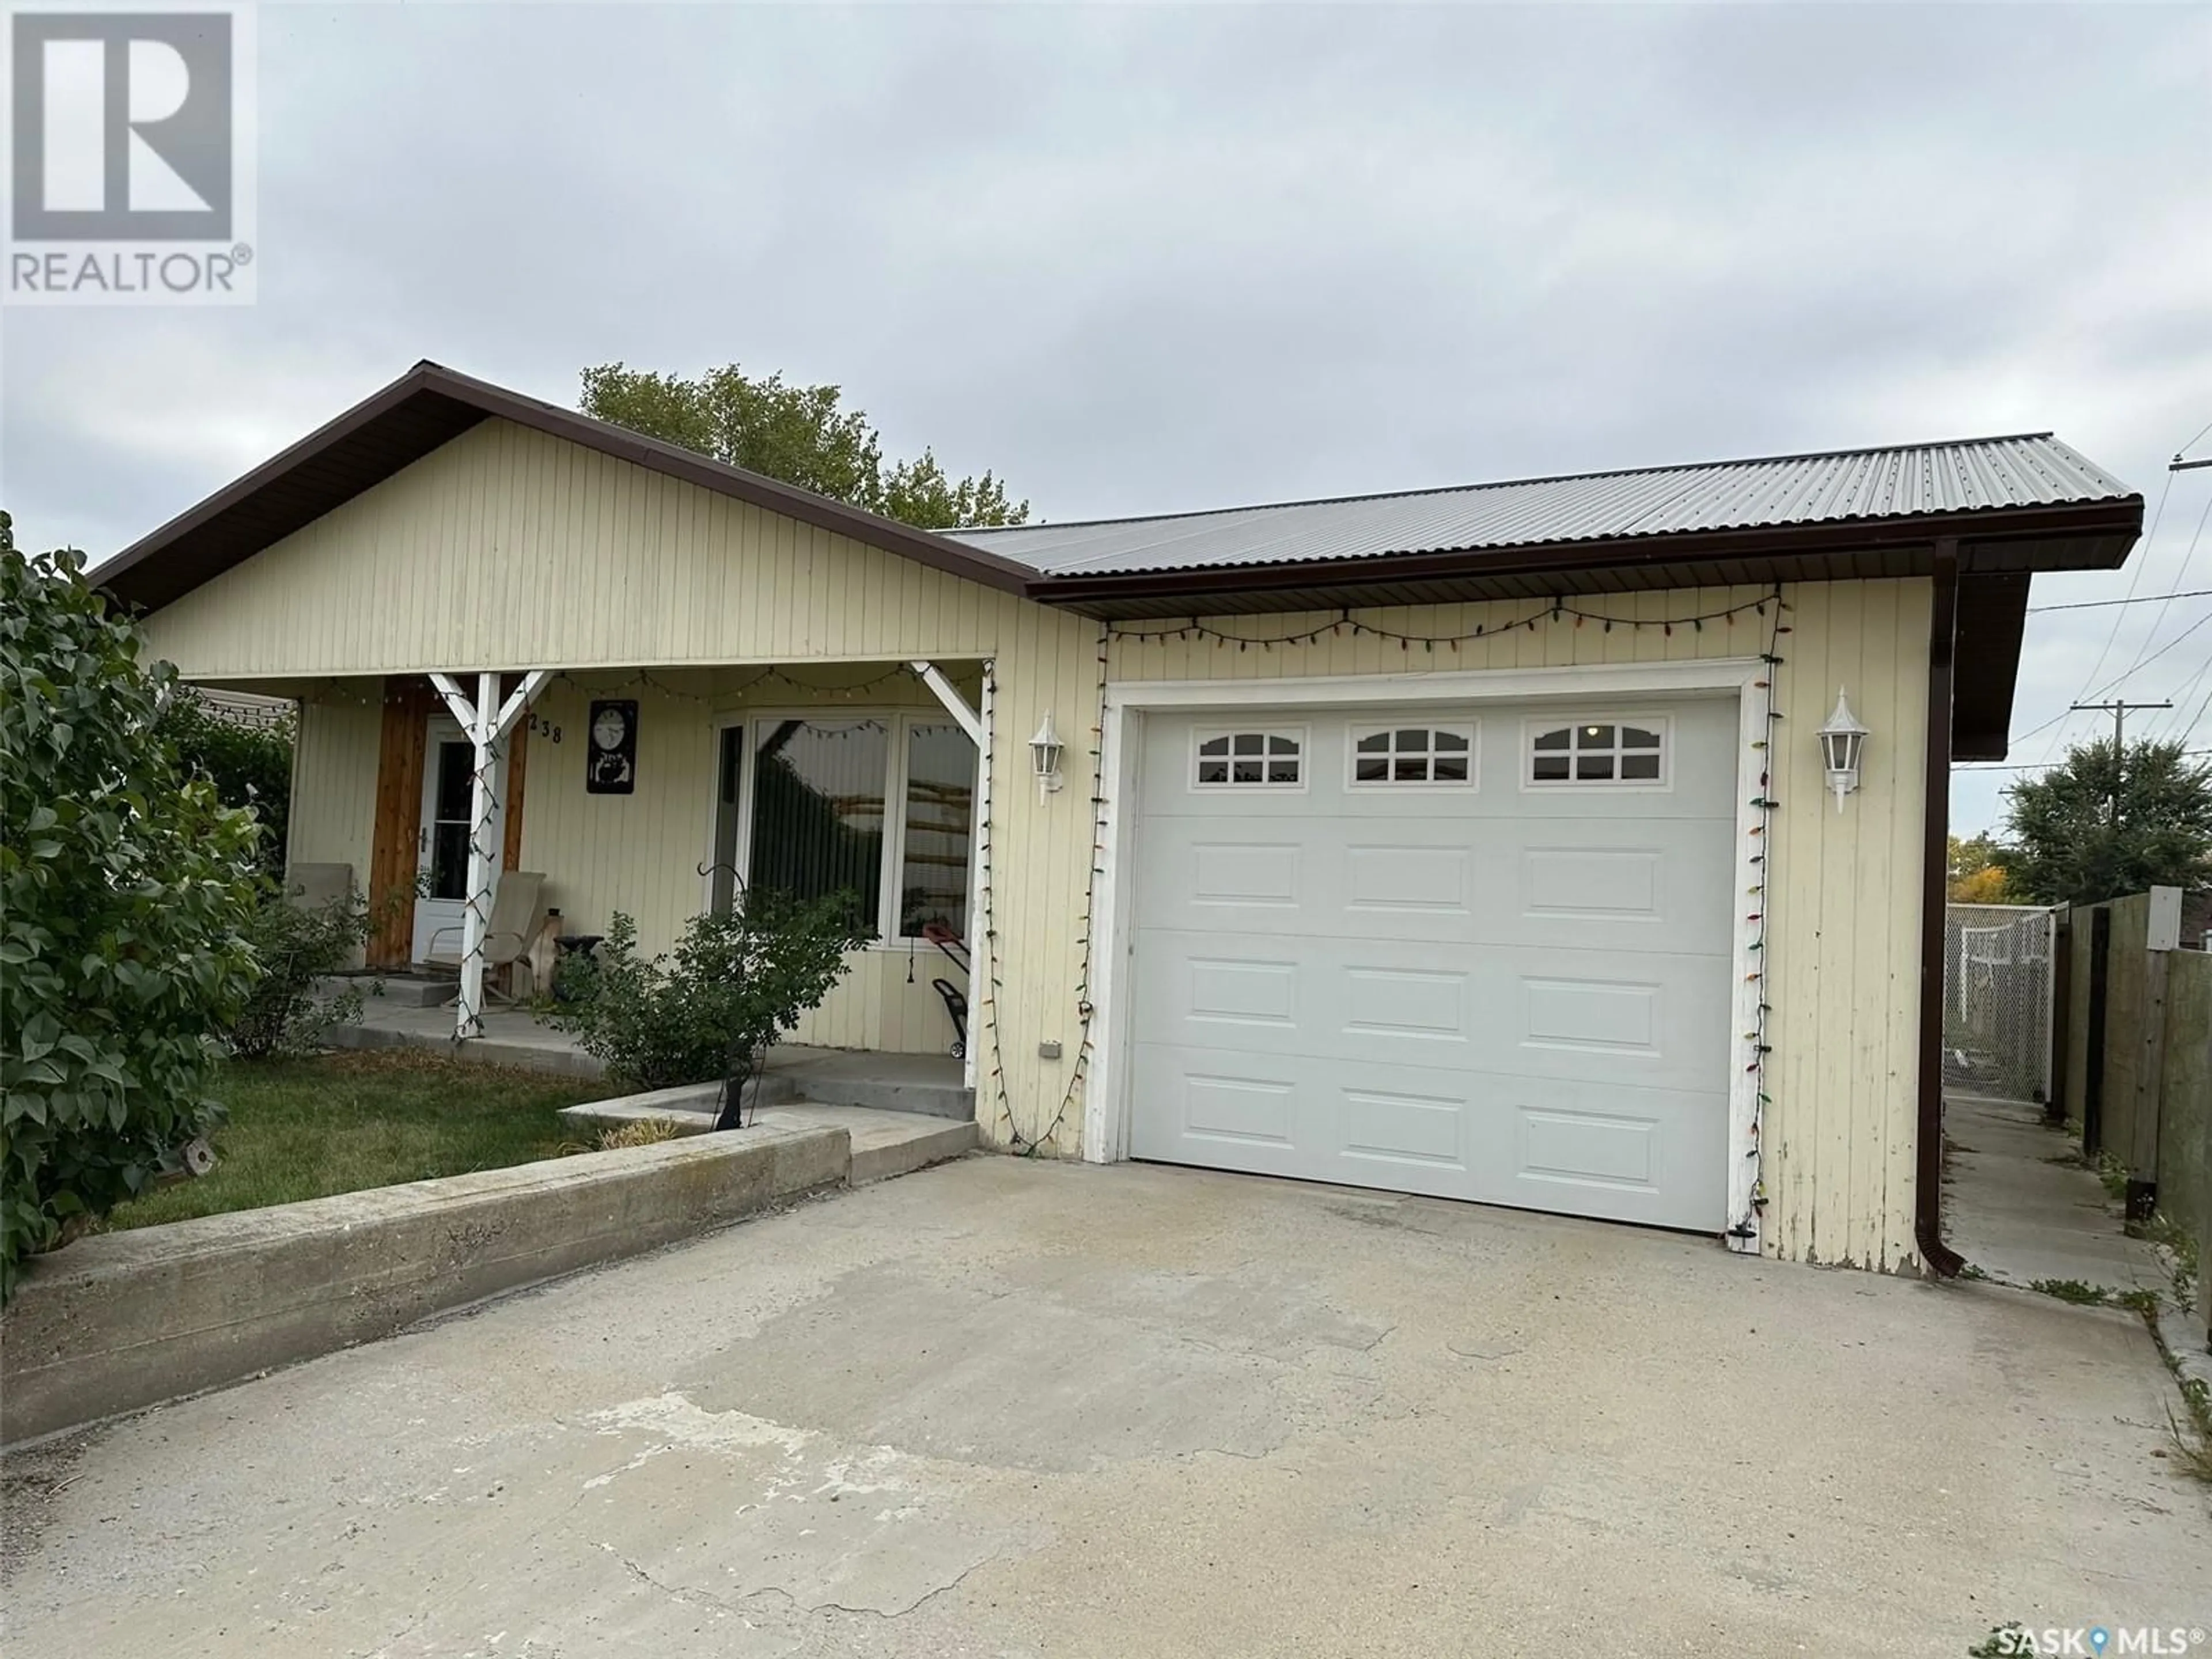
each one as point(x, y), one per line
point(2111, 684)
point(2179, 577)
point(2034, 766)
point(2148, 599)
point(2142, 564)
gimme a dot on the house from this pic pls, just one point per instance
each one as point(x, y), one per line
point(1475, 843)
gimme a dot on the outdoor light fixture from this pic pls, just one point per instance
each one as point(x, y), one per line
point(1843, 747)
point(1045, 750)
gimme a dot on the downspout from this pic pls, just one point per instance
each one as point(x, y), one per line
point(1928, 1174)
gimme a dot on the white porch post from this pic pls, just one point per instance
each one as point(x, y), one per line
point(485, 723)
point(977, 724)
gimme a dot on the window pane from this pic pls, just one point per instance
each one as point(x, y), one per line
point(1249, 743)
point(457, 780)
point(1375, 743)
point(1372, 771)
point(1282, 771)
point(1551, 769)
point(1412, 769)
point(1214, 746)
point(1451, 742)
point(449, 860)
point(1245, 771)
point(1412, 740)
point(1282, 746)
point(723, 868)
point(1214, 771)
point(1588, 767)
point(940, 798)
point(818, 810)
point(1451, 769)
point(1640, 766)
point(1635, 737)
point(1552, 740)
point(1598, 737)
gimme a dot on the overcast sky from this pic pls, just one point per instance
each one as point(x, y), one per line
point(1158, 258)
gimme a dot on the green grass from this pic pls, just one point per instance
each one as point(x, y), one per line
point(340, 1123)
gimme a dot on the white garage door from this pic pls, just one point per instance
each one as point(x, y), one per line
point(1479, 954)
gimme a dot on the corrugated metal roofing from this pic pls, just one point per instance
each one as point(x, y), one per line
point(2032, 469)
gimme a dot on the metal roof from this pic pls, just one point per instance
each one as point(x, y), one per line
point(1963, 475)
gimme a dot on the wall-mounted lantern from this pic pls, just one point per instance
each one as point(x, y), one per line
point(1843, 748)
point(1045, 750)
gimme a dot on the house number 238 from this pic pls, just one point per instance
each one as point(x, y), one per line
point(545, 728)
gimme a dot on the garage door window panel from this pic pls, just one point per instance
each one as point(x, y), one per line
point(1606, 753)
point(1396, 756)
point(1272, 758)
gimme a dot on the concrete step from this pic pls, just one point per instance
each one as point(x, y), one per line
point(928, 1084)
point(884, 1144)
point(395, 990)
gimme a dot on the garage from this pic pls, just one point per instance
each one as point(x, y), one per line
point(1475, 951)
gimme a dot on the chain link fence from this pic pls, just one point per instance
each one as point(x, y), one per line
point(1996, 998)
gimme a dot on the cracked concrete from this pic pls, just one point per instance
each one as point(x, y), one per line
point(1011, 1408)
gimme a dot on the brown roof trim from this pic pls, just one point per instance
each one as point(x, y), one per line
point(2103, 530)
point(430, 405)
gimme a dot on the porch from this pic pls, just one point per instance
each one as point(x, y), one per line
point(659, 795)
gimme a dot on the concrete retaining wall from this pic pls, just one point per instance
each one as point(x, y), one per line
point(121, 1321)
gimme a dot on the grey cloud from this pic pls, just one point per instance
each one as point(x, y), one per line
point(1145, 259)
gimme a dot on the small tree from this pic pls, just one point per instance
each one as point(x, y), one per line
point(298, 947)
point(124, 883)
point(2104, 825)
point(801, 434)
point(735, 983)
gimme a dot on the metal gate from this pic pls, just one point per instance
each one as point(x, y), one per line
point(1997, 962)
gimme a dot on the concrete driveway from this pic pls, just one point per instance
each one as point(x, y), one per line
point(1005, 1407)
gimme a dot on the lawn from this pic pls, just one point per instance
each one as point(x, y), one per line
point(308, 1128)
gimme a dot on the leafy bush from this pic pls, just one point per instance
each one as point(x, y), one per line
point(298, 947)
point(736, 983)
point(124, 885)
point(249, 765)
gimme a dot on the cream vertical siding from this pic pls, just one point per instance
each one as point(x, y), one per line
point(334, 778)
point(1844, 905)
point(508, 549)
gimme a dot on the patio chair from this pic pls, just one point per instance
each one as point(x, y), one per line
point(311, 886)
point(518, 912)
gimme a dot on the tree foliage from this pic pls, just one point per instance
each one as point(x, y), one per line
point(735, 983)
point(2068, 846)
point(1977, 876)
point(250, 766)
point(801, 434)
point(123, 883)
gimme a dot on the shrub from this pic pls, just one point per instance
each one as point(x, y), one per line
point(124, 885)
point(249, 765)
point(298, 947)
point(734, 984)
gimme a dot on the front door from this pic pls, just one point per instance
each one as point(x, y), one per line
point(442, 846)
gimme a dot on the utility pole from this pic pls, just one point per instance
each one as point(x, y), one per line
point(2119, 712)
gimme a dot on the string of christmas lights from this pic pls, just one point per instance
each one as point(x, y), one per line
point(1555, 609)
point(1079, 1073)
point(1743, 1233)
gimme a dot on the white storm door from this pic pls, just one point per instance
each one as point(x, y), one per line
point(441, 866)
